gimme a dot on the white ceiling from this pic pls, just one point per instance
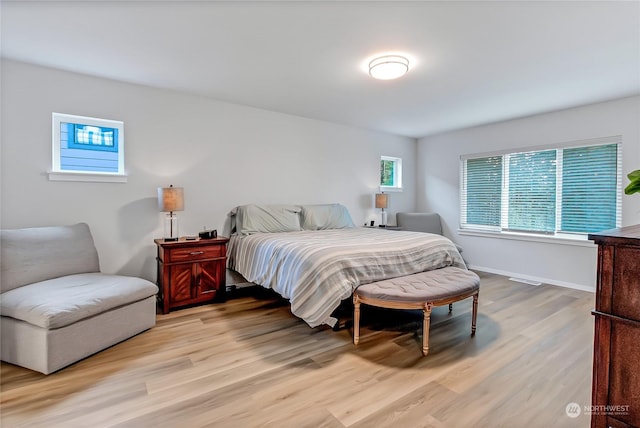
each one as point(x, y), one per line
point(473, 62)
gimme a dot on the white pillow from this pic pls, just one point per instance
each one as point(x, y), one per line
point(325, 216)
point(252, 218)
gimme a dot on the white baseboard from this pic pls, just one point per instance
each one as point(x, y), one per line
point(581, 287)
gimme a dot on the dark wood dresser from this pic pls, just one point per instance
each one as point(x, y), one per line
point(616, 354)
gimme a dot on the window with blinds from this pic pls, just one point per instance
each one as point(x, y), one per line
point(483, 184)
point(571, 189)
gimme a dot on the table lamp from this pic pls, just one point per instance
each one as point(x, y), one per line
point(382, 201)
point(170, 199)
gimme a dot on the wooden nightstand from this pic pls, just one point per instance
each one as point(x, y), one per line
point(191, 271)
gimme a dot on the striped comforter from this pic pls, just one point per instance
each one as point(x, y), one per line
point(316, 270)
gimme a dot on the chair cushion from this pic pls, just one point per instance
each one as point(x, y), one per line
point(426, 286)
point(39, 253)
point(62, 301)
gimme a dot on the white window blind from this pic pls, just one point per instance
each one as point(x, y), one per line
point(483, 183)
point(532, 192)
point(590, 189)
point(571, 189)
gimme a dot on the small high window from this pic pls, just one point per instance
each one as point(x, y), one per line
point(87, 149)
point(390, 174)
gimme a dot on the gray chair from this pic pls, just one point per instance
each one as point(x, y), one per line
point(56, 306)
point(421, 222)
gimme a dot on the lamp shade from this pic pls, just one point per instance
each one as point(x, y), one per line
point(170, 199)
point(382, 200)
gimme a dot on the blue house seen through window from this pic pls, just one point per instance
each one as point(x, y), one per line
point(88, 148)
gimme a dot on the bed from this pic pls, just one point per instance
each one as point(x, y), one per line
point(315, 257)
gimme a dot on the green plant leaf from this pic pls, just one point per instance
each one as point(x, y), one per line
point(634, 183)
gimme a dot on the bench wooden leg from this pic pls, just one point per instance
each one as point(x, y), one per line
point(474, 317)
point(356, 319)
point(426, 324)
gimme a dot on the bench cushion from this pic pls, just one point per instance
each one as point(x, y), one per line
point(63, 301)
point(424, 286)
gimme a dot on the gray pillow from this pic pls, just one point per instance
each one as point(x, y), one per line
point(325, 216)
point(253, 218)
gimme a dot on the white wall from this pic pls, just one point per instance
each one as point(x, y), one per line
point(438, 186)
point(223, 155)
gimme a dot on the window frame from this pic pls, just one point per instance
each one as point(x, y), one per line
point(397, 174)
point(59, 174)
point(502, 231)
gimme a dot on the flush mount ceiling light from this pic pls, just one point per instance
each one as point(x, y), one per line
point(388, 67)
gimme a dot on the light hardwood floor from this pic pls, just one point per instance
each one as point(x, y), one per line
point(250, 363)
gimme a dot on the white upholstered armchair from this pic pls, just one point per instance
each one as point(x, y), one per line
point(56, 306)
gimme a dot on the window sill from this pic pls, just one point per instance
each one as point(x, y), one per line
point(390, 189)
point(87, 177)
point(578, 241)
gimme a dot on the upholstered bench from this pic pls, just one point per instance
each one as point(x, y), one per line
point(422, 290)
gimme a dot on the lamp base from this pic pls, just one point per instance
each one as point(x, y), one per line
point(383, 223)
point(171, 227)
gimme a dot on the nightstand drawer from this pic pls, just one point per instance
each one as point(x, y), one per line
point(195, 253)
